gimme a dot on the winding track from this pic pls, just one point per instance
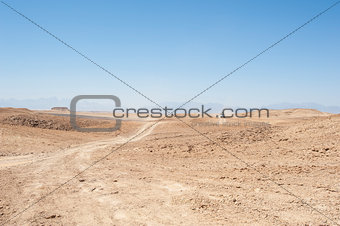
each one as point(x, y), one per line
point(86, 148)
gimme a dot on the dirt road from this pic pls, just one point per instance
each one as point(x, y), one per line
point(169, 175)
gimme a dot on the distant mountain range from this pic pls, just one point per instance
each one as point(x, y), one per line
point(35, 104)
point(48, 103)
point(217, 107)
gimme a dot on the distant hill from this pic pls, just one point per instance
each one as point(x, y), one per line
point(319, 107)
point(48, 103)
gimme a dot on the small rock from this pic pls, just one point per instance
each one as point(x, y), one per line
point(203, 206)
point(51, 217)
point(81, 180)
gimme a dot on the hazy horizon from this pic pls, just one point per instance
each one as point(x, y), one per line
point(88, 105)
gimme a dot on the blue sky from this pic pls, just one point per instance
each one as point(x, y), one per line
point(171, 50)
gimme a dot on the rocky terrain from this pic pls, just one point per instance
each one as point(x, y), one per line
point(284, 170)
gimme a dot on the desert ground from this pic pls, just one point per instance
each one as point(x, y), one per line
point(281, 170)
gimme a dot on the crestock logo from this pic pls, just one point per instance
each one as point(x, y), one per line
point(201, 112)
point(120, 113)
point(73, 113)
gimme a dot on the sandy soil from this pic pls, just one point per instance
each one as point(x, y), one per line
point(236, 172)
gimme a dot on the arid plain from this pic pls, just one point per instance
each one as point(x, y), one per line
point(227, 172)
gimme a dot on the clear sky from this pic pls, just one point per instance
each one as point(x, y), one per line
point(171, 50)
